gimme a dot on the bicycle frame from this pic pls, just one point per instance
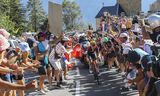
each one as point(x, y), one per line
point(95, 70)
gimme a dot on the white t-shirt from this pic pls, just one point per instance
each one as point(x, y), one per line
point(46, 44)
point(147, 48)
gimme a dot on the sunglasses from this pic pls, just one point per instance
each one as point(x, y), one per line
point(11, 53)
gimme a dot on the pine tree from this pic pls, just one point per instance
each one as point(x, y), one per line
point(36, 15)
point(17, 14)
point(13, 12)
point(71, 15)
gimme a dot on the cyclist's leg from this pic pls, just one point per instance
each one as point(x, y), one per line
point(90, 64)
point(96, 66)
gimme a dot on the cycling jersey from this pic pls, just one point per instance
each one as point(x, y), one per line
point(92, 52)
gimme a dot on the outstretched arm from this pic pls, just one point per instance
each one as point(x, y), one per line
point(11, 86)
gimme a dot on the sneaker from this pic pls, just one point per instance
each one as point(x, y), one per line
point(90, 71)
point(63, 83)
point(50, 87)
point(41, 92)
point(118, 70)
point(65, 78)
point(59, 85)
point(45, 90)
point(99, 74)
point(124, 89)
point(134, 87)
point(123, 74)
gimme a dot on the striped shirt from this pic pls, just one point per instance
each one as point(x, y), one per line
point(60, 49)
point(52, 56)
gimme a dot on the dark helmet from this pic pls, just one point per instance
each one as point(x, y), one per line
point(147, 61)
point(133, 56)
point(154, 23)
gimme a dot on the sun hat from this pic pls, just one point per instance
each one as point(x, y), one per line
point(24, 46)
point(4, 33)
point(4, 44)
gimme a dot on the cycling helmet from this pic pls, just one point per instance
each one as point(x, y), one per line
point(105, 39)
point(93, 42)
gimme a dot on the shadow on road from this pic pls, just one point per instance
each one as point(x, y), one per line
point(111, 83)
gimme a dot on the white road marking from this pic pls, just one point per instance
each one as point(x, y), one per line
point(77, 81)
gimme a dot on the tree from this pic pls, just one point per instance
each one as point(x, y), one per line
point(36, 15)
point(17, 15)
point(7, 24)
point(71, 15)
point(14, 12)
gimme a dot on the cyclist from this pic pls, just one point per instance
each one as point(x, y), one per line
point(92, 54)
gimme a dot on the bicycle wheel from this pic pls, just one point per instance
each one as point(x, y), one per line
point(96, 77)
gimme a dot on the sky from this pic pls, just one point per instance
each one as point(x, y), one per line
point(90, 8)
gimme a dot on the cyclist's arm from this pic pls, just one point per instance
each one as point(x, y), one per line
point(89, 54)
point(96, 52)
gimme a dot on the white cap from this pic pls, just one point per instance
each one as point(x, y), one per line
point(148, 42)
point(124, 35)
point(126, 50)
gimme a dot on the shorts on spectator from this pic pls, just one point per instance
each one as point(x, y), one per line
point(63, 64)
point(42, 70)
point(57, 65)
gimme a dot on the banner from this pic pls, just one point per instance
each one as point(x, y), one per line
point(55, 18)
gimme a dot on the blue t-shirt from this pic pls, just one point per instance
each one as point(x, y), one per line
point(141, 52)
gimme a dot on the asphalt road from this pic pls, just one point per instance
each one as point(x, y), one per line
point(81, 83)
